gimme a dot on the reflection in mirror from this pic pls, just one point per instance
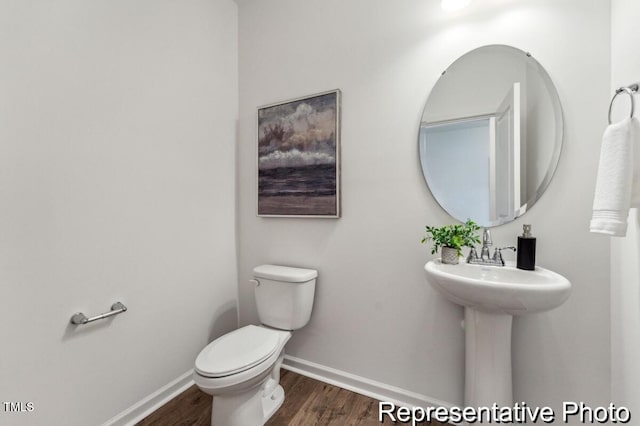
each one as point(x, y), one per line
point(490, 135)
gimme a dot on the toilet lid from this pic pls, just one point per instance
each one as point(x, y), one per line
point(237, 351)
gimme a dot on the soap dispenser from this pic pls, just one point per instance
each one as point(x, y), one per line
point(526, 255)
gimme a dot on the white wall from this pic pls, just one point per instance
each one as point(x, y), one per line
point(375, 315)
point(117, 131)
point(625, 252)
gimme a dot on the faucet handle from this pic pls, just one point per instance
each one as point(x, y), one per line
point(473, 254)
point(497, 255)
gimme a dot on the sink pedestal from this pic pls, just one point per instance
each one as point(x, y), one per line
point(491, 296)
point(487, 359)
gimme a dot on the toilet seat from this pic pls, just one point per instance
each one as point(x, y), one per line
point(237, 351)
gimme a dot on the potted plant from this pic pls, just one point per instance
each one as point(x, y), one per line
point(452, 238)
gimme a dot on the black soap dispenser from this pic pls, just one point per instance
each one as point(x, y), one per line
point(526, 256)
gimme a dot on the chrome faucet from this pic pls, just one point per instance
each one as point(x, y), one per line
point(485, 257)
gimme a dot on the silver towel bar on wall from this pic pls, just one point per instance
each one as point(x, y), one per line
point(630, 90)
point(79, 318)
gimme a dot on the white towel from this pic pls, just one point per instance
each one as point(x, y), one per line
point(618, 180)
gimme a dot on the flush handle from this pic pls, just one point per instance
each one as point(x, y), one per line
point(255, 282)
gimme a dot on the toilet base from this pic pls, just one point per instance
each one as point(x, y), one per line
point(239, 409)
point(271, 403)
point(247, 408)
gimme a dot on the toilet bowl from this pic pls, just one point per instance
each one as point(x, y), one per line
point(241, 369)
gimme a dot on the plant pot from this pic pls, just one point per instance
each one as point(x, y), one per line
point(449, 255)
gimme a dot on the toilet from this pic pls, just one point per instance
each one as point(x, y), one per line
point(241, 369)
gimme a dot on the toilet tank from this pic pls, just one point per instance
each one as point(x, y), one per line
point(284, 295)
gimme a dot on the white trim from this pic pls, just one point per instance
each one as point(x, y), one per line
point(151, 403)
point(493, 182)
point(361, 385)
point(332, 376)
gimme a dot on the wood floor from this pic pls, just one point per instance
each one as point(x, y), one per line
point(307, 402)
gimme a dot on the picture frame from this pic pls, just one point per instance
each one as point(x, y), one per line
point(298, 157)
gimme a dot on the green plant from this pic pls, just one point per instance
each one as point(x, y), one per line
point(454, 236)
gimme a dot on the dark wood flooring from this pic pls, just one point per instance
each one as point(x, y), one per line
point(307, 402)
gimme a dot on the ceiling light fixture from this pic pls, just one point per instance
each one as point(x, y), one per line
point(453, 5)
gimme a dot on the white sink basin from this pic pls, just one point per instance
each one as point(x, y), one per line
point(506, 289)
point(491, 295)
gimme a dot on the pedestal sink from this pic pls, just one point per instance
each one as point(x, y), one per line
point(491, 295)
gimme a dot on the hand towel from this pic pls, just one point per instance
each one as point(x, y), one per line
point(617, 183)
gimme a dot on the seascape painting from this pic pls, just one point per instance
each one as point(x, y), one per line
point(298, 157)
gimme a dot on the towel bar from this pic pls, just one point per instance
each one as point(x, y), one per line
point(79, 318)
point(630, 90)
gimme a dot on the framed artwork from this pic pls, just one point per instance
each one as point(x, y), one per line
point(299, 157)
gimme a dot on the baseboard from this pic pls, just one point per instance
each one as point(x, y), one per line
point(361, 385)
point(332, 376)
point(151, 403)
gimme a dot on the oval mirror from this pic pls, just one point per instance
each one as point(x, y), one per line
point(490, 135)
